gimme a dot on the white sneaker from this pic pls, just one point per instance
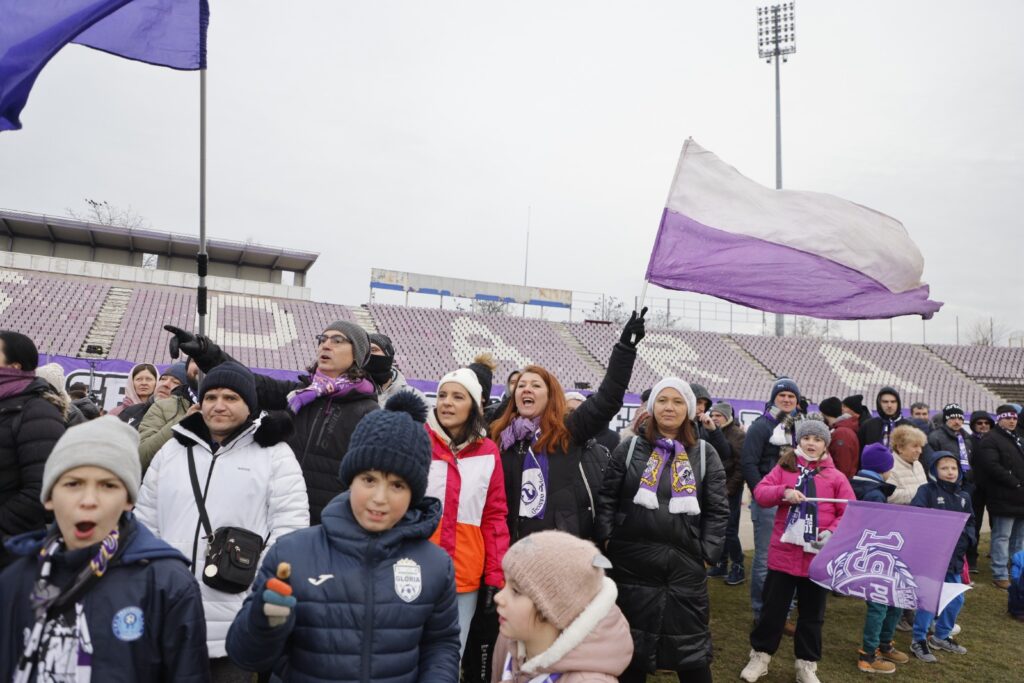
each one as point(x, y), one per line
point(756, 667)
point(805, 671)
point(955, 630)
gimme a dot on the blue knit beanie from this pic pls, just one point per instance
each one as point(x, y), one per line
point(178, 371)
point(784, 384)
point(394, 441)
point(235, 377)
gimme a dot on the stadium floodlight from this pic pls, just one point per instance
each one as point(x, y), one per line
point(776, 38)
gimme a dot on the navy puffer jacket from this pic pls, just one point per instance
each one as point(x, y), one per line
point(945, 495)
point(349, 623)
point(149, 580)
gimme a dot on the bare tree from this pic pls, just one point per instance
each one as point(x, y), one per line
point(490, 307)
point(106, 213)
point(609, 308)
point(662, 318)
point(987, 332)
point(817, 329)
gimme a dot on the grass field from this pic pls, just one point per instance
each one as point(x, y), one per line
point(994, 641)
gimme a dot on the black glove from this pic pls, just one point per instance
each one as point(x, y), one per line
point(191, 345)
point(634, 331)
point(487, 605)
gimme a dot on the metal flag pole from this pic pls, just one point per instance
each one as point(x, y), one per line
point(202, 258)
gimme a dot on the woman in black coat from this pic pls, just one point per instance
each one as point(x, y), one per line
point(661, 517)
point(327, 404)
point(552, 472)
point(30, 424)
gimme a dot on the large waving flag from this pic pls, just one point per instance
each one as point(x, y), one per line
point(783, 251)
point(892, 555)
point(168, 33)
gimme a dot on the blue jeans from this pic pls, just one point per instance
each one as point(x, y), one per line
point(944, 624)
point(764, 520)
point(1007, 539)
point(733, 548)
point(467, 608)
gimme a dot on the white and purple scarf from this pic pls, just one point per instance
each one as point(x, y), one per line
point(965, 461)
point(668, 452)
point(533, 491)
point(802, 520)
point(509, 674)
point(322, 385)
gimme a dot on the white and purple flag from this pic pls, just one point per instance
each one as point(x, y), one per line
point(893, 555)
point(783, 251)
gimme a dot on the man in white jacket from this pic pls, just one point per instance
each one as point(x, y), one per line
point(249, 478)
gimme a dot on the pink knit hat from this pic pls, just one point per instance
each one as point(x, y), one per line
point(562, 574)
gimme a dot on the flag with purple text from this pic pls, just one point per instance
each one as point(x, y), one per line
point(783, 251)
point(168, 33)
point(892, 555)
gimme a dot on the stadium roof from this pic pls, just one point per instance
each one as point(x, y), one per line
point(70, 231)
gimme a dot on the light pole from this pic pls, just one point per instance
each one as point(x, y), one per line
point(776, 38)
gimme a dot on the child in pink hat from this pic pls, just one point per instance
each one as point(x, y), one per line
point(557, 616)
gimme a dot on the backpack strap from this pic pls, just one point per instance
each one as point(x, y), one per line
point(629, 454)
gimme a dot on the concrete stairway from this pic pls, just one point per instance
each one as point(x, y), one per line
point(107, 323)
point(363, 317)
point(580, 350)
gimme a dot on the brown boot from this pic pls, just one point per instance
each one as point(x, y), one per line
point(873, 664)
point(889, 653)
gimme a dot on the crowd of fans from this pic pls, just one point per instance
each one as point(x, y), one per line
point(223, 525)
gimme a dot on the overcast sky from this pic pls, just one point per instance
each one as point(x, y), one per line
point(414, 135)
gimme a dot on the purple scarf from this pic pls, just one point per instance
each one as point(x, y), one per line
point(684, 486)
point(965, 461)
point(322, 385)
point(802, 520)
point(533, 492)
point(14, 381)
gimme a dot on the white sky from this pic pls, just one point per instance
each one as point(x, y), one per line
point(414, 135)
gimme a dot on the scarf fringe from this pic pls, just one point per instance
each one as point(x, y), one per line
point(686, 505)
point(646, 498)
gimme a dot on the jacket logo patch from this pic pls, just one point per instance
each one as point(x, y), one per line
point(408, 579)
point(320, 579)
point(128, 624)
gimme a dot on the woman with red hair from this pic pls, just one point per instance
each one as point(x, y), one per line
point(551, 475)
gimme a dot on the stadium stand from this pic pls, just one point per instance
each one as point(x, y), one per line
point(432, 342)
point(62, 312)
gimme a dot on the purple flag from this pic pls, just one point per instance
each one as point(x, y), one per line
point(783, 251)
point(162, 32)
point(892, 554)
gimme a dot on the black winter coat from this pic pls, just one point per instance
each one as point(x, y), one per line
point(736, 437)
point(1000, 461)
point(873, 430)
point(658, 558)
point(575, 476)
point(134, 413)
point(945, 495)
point(759, 454)
point(323, 428)
point(30, 424)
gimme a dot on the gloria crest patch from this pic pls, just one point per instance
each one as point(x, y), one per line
point(408, 579)
point(128, 624)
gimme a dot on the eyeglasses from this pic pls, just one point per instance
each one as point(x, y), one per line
point(334, 339)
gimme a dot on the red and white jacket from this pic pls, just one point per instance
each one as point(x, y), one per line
point(471, 487)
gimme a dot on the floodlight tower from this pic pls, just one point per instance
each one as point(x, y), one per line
point(776, 38)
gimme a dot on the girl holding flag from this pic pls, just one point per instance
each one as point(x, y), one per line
point(552, 474)
point(802, 526)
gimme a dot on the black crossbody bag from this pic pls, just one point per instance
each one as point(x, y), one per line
point(232, 553)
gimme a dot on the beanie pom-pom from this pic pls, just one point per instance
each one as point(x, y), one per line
point(408, 402)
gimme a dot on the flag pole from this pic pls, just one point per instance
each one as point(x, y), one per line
point(643, 296)
point(826, 500)
point(202, 258)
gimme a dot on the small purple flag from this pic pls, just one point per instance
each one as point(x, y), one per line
point(162, 32)
point(894, 555)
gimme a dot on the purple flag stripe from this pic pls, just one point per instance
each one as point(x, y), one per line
point(168, 33)
point(771, 277)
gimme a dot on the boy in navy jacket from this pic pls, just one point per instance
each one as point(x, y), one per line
point(879, 653)
point(944, 492)
point(369, 597)
point(97, 595)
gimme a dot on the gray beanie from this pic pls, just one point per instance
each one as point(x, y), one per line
point(357, 335)
point(812, 426)
point(105, 442)
point(724, 408)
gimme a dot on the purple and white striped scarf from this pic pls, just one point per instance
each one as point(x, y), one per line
point(322, 385)
point(533, 492)
point(684, 485)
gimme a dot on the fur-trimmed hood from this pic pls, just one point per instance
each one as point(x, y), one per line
point(269, 429)
point(598, 641)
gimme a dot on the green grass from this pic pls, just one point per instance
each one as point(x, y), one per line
point(994, 641)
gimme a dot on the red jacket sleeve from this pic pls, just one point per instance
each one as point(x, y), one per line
point(494, 526)
point(845, 451)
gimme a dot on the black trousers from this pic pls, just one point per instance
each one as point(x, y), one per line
point(700, 675)
point(777, 596)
